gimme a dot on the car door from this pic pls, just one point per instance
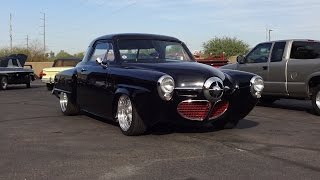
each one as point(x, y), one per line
point(304, 60)
point(93, 87)
point(275, 83)
point(257, 60)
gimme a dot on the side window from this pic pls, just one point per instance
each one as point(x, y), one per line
point(259, 54)
point(104, 51)
point(13, 63)
point(277, 51)
point(305, 50)
point(176, 52)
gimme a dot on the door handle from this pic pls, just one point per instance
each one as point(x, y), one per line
point(265, 67)
point(83, 70)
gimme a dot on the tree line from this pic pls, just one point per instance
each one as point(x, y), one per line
point(230, 46)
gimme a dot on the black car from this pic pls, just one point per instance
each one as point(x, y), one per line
point(12, 71)
point(140, 80)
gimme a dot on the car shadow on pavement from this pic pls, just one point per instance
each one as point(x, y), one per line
point(170, 128)
point(163, 129)
point(16, 87)
point(295, 105)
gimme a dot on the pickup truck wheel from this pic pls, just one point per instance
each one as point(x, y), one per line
point(4, 83)
point(67, 106)
point(129, 120)
point(316, 100)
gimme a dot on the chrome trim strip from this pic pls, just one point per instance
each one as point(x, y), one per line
point(60, 90)
point(188, 88)
point(215, 117)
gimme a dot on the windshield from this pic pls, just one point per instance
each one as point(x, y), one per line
point(65, 63)
point(152, 51)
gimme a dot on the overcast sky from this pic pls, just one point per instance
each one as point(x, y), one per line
point(72, 24)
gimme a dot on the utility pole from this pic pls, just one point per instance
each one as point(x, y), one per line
point(10, 27)
point(266, 34)
point(27, 41)
point(44, 32)
point(270, 34)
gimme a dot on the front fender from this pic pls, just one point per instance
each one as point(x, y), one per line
point(65, 81)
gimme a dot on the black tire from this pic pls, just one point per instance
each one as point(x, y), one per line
point(49, 87)
point(316, 100)
point(28, 84)
point(70, 108)
point(225, 123)
point(137, 125)
point(267, 100)
point(4, 83)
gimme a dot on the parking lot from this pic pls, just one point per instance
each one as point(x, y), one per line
point(281, 141)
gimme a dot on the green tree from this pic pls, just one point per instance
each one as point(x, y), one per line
point(63, 54)
point(79, 55)
point(229, 46)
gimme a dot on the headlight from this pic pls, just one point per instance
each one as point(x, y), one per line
point(257, 86)
point(165, 87)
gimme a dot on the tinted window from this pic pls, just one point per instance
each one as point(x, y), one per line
point(65, 63)
point(259, 54)
point(152, 51)
point(277, 51)
point(305, 50)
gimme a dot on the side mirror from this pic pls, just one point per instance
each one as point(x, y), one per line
point(241, 59)
point(103, 63)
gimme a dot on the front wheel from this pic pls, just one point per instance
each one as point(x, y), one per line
point(316, 100)
point(129, 120)
point(4, 83)
point(49, 87)
point(68, 107)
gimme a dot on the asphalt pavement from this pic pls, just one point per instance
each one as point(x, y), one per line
point(280, 141)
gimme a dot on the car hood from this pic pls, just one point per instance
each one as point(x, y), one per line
point(230, 66)
point(185, 74)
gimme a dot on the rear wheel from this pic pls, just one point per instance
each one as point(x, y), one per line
point(68, 107)
point(316, 100)
point(129, 121)
point(28, 84)
point(4, 83)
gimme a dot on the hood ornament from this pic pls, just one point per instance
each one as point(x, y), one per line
point(213, 89)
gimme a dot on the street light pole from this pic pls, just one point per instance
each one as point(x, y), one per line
point(270, 34)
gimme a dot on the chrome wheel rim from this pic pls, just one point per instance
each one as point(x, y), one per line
point(124, 112)
point(318, 99)
point(63, 101)
point(4, 83)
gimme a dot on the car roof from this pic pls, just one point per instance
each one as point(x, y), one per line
point(287, 40)
point(135, 36)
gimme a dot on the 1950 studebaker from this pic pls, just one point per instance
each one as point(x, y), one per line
point(139, 80)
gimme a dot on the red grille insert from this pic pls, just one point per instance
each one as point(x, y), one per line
point(218, 110)
point(194, 110)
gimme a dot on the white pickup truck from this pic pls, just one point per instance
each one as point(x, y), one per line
point(290, 69)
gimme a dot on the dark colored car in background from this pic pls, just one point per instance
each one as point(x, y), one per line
point(139, 80)
point(12, 71)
